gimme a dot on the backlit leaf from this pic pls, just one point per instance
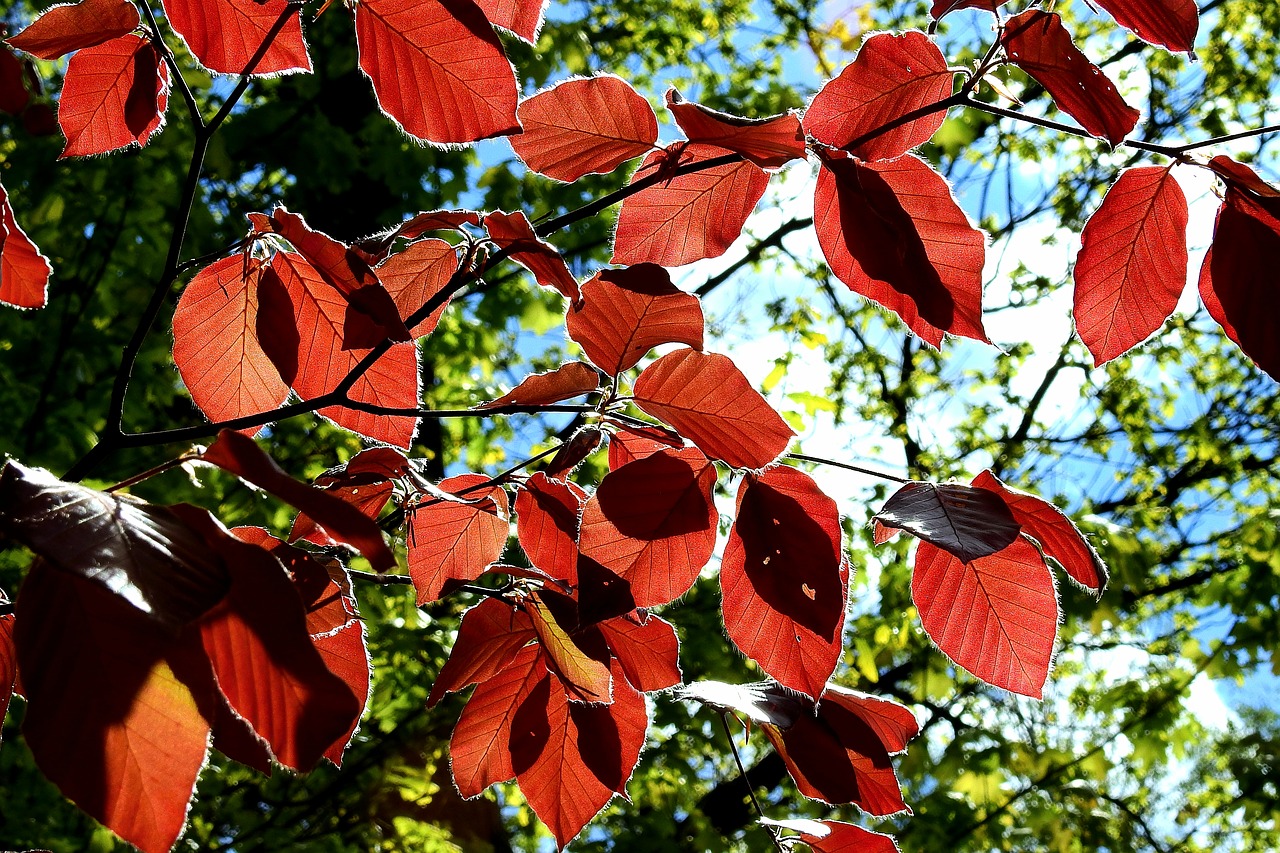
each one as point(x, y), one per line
point(1169, 23)
point(585, 674)
point(892, 232)
point(376, 248)
point(522, 17)
point(764, 702)
point(708, 400)
point(491, 635)
point(687, 217)
point(456, 540)
point(625, 313)
point(24, 271)
point(968, 522)
point(784, 580)
point(513, 232)
point(114, 95)
point(584, 126)
point(224, 34)
point(996, 616)
point(415, 275)
point(849, 838)
point(437, 69)
point(1132, 265)
point(365, 482)
point(653, 523)
point(480, 750)
point(1057, 534)
point(892, 75)
point(767, 142)
point(636, 442)
point(548, 512)
point(646, 648)
point(1038, 43)
point(72, 26)
point(215, 342)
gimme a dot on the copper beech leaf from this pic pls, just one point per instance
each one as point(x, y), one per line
point(685, 218)
point(293, 298)
point(841, 754)
point(570, 759)
point(24, 270)
point(965, 521)
point(625, 313)
point(653, 523)
point(636, 442)
point(239, 454)
point(1169, 23)
point(646, 648)
point(1038, 43)
point(892, 75)
point(892, 232)
point(366, 482)
point(456, 539)
point(784, 580)
point(108, 720)
point(215, 342)
point(437, 69)
point(548, 511)
point(584, 125)
point(72, 26)
point(514, 233)
point(114, 95)
point(142, 553)
point(490, 637)
point(1058, 536)
point(225, 34)
point(521, 17)
point(574, 452)
point(1235, 287)
point(848, 838)
point(767, 142)
point(325, 591)
point(480, 749)
point(376, 248)
point(583, 672)
point(996, 616)
point(1132, 264)
point(417, 274)
point(708, 400)
point(571, 379)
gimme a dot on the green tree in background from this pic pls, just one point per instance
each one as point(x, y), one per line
point(1165, 456)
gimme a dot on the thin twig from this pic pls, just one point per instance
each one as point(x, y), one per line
point(818, 460)
point(742, 774)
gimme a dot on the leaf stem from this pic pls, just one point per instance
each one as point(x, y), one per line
point(742, 774)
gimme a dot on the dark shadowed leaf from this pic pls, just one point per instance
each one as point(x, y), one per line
point(968, 522)
point(365, 482)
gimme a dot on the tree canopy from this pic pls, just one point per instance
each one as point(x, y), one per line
point(777, 390)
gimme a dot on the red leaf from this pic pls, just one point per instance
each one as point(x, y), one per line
point(72, 26)
point(1038, 43)
point(1168, 23)
point(708, 400)
point(647, 650)
point(8, 659)
point(571, 379)
point(1133, 262)
point(225, 34)
point(107, 720)
point(345, 654)
point(582, 671)
point(14, 96)
point(767, 142)
point(415, 275)
point(239, 454)
point(480, 750)
point(264, 660)
point(375, 249)
point(784, 579)
point(849, 838)
point(584, 126)
point(548, 525)
point(514, 233)
point(456, 540)
point(653, 523)
point(293, 299)
point(1237, 289)
point(842, 754)
point(345, 271)
point(687, 217)
point(891, 76)
point(570, 759)
point(114, 95)
point(967, 522)
point(996, 616)
point(880, 533)
point(632, 442)
point(490, 637)
point(573, 452)
point(625, 313)
point(1242, 177)
point(437, 69)
point(215, 342)
point(1058, 536)
point(365, 482)
point(892, 232)
point(24, 271)
point(522, 17)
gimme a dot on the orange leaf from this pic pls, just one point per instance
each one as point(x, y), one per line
point(225, 34)
point(514, 233)
point(1168, 23)
point(415, 275)
point(548, 513)
point(571, 379)
point(114, 95)
point(767, 142)
point(72, 26)
point(480, 750)
point(24, 271)
point(456, 540)
point(647, 650)
point(586, 676)
point(521, 17)
point(490, 637)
